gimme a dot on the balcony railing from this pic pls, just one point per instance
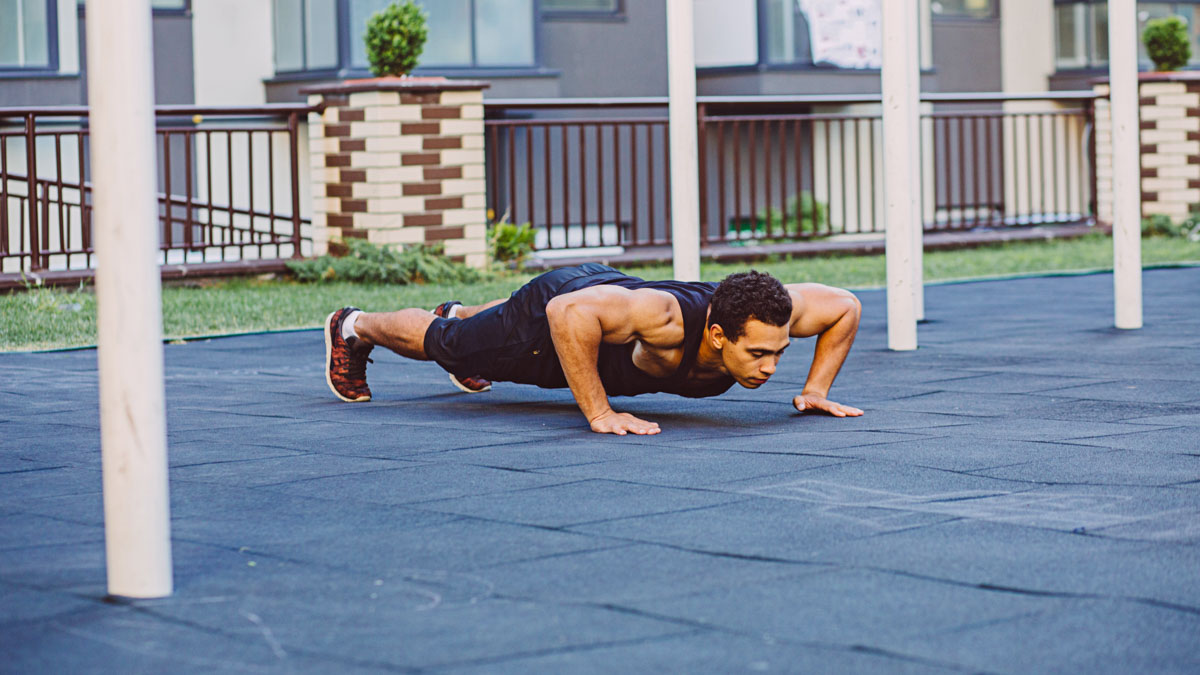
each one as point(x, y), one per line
point(229, 190)
point(589, 173)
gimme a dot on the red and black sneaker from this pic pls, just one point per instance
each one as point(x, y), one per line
point(346, 360)
point(472, 384)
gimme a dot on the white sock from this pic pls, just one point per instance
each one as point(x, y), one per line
point(453, 313)
point(348, 325)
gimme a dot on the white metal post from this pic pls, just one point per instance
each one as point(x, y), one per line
point(918, 230)
point(685, 176)
point(129, 314)
point(900, 185)
point(1127, 194)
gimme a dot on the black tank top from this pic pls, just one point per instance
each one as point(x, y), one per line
point(617, 371)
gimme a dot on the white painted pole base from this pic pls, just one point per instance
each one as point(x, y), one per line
point(1127, 194)
point(900, 183)
point(128, 298)
point(685, 172)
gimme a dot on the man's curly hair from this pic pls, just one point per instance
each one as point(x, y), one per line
point(749, 295)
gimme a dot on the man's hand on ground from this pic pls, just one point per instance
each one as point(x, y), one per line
point(813, 402)
point(613, 422)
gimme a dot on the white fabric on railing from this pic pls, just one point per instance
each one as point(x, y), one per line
point(844, 33)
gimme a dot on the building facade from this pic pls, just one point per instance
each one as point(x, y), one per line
point(211, 52)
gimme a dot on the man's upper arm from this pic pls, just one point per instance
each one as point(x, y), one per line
point(623, 314)
point(816, 307)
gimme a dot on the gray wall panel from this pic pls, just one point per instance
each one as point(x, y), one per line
point(612, 57)
point(174, 80)
point(966, 55)
point(41, 91)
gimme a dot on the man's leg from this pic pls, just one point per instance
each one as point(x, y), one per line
point(351, 334)
point(453, 309)
point(402, 332)
point(465, 312)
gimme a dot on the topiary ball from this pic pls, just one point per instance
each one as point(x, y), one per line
point(394, 39)
point(1167, 43)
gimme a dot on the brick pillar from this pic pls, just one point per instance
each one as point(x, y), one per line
point(1169, 110)
point(400, 161)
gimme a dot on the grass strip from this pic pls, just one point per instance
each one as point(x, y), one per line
point(47, 318)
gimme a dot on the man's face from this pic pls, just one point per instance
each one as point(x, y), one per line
point(751, 361)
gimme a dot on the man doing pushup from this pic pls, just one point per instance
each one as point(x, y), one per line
point(603, 333)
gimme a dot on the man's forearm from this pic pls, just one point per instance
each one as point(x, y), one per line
point(833, 346)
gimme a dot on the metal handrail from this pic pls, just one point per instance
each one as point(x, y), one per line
point(166, 110)
point(804, 99)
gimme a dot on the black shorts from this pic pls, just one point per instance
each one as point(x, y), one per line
point(511, 342)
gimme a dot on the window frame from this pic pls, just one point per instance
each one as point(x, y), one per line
point(345, 66)
point(158, 11)
point(52, 62)
point(615, 14)
point(995, 14)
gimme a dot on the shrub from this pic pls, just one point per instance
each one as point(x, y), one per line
point(804, 215)
point(395, 38)
point(1166, 41)
point(511, 243)
point(366, 262)
point(1160, 225)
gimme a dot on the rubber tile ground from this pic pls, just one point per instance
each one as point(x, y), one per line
point(1022, 494)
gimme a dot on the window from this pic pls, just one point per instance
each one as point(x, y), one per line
point(179, 5)
point(26, 30)
point(786, 33)
point(478, 33)
point(968, 9)
point(325, 35)
point(1081, 30)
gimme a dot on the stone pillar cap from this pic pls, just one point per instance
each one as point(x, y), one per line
point(1161, 76)
point(407, 84)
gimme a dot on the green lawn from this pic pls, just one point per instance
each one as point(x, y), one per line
point(45, 318)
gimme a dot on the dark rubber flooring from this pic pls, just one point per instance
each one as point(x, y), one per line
point(1022, 494)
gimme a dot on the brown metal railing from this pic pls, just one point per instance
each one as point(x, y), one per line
point(229, 189)
point(778, 168)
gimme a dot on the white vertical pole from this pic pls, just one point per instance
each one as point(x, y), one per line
point(900, 184)
point(918, 230)
point(681, 110)
point(1127, 194)
point(124, 175)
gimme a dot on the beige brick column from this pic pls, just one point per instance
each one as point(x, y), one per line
point(1169, 110)
point(400, 161)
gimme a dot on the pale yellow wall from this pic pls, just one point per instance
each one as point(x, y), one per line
point(232, 51)
point(1027, 44)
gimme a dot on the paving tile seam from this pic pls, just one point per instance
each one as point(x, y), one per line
point(254, 638)
point(34, 470)
point(162, 654)
point(215, 462)
point(227, 411)
point(708, 627)
point(977, 625)
point(639, 516)
point(1067, 483)
point(555, 556)
point(1034, 592)
point(407, 465)
point(571, 649)
point(420, 503)
point(260, 554)
point(715, 486)
point(908, 658)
